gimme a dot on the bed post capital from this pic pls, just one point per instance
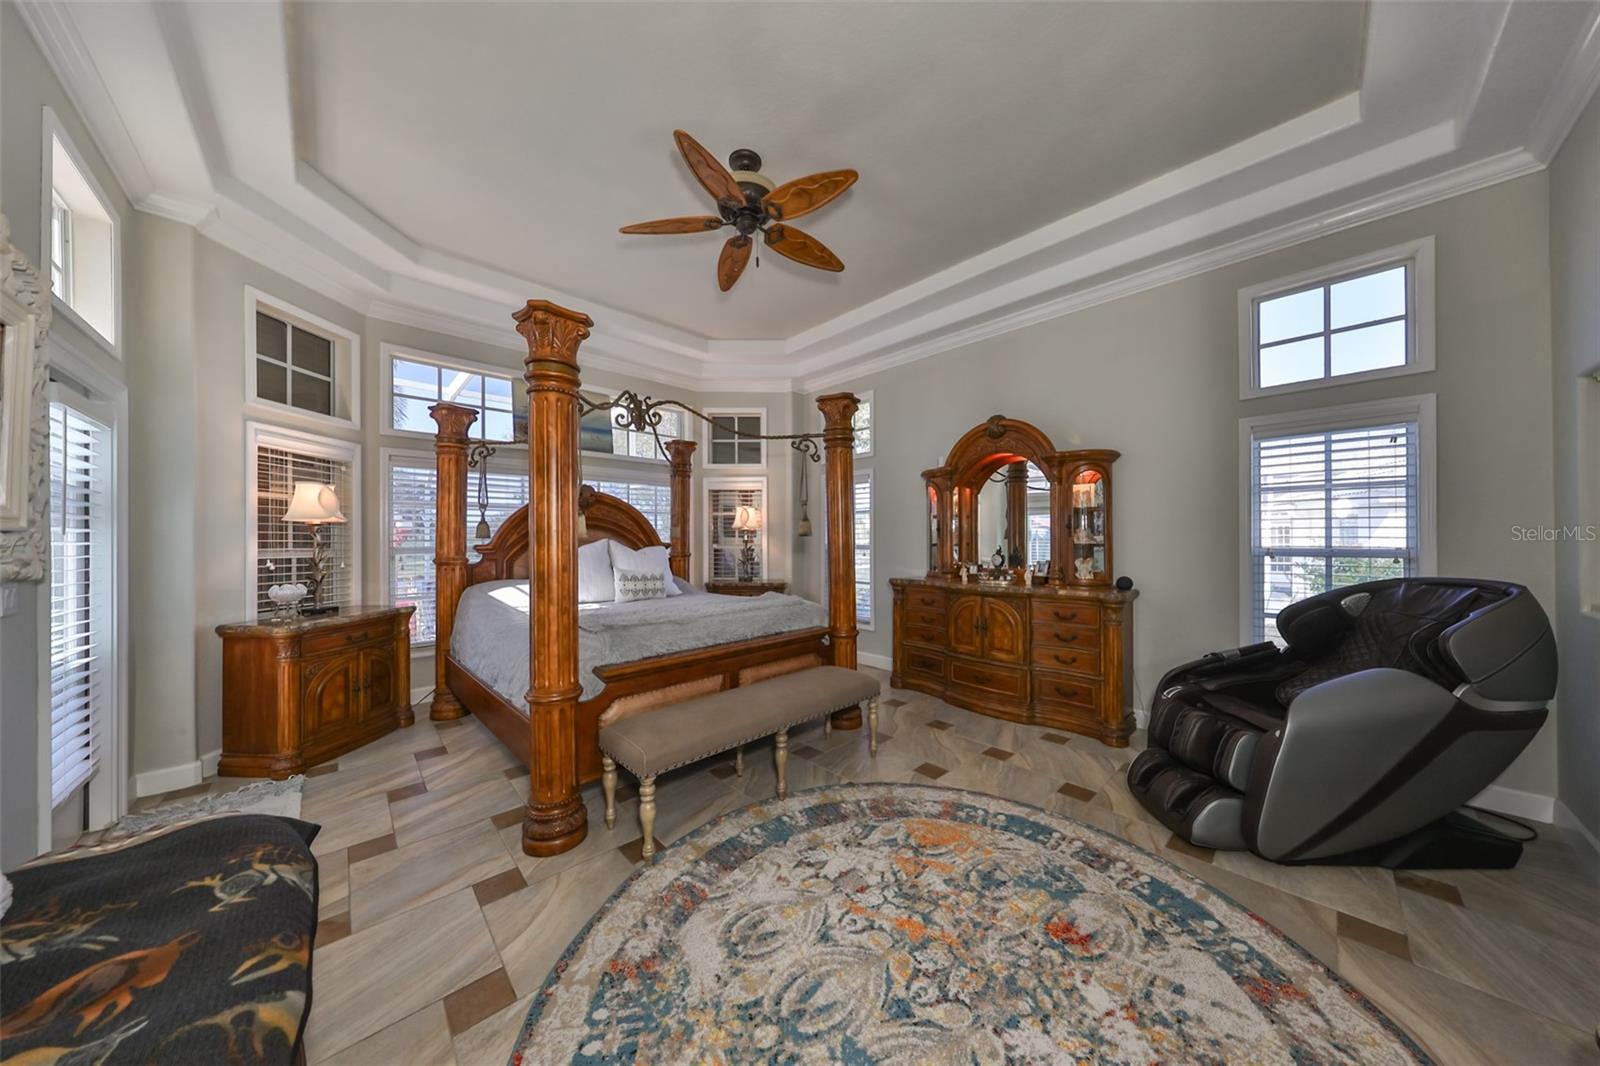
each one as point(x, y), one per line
point(553, 332)
point(453, 421)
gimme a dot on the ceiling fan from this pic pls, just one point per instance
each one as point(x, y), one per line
point(748, 201)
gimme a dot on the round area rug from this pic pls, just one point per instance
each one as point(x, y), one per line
point(884, 923)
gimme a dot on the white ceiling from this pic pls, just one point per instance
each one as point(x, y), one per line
point(439, 164)
point(541, 128)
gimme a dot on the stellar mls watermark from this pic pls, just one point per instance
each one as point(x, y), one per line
point(1555, 534)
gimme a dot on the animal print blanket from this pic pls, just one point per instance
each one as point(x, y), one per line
point(188, 944)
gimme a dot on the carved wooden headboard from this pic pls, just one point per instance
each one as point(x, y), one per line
point(505, 557)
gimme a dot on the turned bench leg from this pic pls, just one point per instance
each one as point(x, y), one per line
point(872, 725)
point(827, 725)
point(738, 760)
point(780, 756)
point(608, 782)
point(647, 815)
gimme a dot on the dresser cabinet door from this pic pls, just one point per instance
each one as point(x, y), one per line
point(966, 625)
point(1004, 632)
point(329, 694)
point(377, 684)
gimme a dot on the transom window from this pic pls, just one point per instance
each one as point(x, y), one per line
point(733, 439)
point(299, 364)
point(60, 247)
point(418, 384)
point(599, 433)
point(1351, 321)
point(80, 234)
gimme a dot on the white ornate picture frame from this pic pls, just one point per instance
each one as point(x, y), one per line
point(24, 424)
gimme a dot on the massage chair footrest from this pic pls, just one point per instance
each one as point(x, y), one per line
point(1190, 803)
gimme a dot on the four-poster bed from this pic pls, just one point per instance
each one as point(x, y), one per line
point(555, 727)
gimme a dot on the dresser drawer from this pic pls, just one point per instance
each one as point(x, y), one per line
point(933, 635)
point(1065, 612)
point(928, 665)
point(1049, 687)
point(922, 616)
point(317, 643)
point(925, 600)
point(991, 680)
point(1064, 636)
point(1071, 658)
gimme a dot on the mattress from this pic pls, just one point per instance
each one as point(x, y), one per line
point(491, 630)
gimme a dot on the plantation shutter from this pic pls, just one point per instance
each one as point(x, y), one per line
point(725, 543)
point(283, 549)
point(1330, 509)
point(863, 546)
point(653, 501)
point(81, 578)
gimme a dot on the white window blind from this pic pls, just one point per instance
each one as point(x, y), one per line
point(413, 509)
point(863, 547)
point(861, 426)
point(81, 582)
point(1330, 509)
point(652, 500)
point(283, 549)
point(725, 545)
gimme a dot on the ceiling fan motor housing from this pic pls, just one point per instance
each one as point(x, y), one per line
point(745, 163)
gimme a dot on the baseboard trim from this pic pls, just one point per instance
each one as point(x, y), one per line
point(420, 694)
point(877, 662)
point(208, 763)
point(155, 782)
point(1517, 803)
point(1567, 820)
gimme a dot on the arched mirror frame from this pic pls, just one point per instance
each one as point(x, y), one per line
point(1001, 443)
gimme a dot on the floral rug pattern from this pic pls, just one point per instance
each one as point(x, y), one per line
point(882, 923)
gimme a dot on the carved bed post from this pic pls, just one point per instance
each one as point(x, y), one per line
point(555, 819)
point(1017, 511)
point(682, 454)
point(838, 443)
point(450, 544)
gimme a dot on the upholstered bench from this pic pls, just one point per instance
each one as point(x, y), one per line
point(681, 733)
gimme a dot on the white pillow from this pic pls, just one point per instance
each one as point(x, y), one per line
point(639, 585)
point(595, 583)
point(645, 560)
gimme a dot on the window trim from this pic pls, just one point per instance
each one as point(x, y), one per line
point(54, 131)
point(346, 363)
point(263, 434)
point(1417, 254)
point(871, 624)
point(747, 482)
point(59, 207)
point(389, 351)
point(713, 412)
point(1421, 408)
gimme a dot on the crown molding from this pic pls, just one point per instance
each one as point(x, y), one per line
point(1575, 85)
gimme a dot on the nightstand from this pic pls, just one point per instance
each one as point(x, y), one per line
point(746, 588)
point(305, 690)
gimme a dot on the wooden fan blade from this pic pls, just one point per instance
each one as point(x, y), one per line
point(804, 195)
point(735, 254)
point(688, 224)
point(710, 173)
point(802, 248)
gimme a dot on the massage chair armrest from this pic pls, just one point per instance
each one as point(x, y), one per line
point(1338, 740)
point(1219, 661)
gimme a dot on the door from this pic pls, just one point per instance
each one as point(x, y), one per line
point(1003, 629)
point(377, 685)
point(328, 703)
point(966, 625)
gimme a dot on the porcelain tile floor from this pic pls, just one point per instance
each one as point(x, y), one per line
point(436, 930)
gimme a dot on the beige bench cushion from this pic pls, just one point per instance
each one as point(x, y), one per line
point(683, 733)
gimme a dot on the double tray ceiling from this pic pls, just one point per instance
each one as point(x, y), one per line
point(452, 159)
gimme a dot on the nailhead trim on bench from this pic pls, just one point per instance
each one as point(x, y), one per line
point(811, 717)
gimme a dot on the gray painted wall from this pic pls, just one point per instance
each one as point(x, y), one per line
point(1156, 376)
point(1575, 314)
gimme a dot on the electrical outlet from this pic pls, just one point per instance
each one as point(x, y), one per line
point(8, 600)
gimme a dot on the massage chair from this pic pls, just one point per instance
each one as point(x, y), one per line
point(1392, 705)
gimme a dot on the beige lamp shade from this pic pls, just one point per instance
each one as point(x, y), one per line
point(747, 520)
point(313, 504)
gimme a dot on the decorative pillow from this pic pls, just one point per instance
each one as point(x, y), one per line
point(645, 560)
point(595, 584)
point(640, 585)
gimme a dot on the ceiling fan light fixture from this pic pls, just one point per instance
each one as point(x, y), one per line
point(754, 177)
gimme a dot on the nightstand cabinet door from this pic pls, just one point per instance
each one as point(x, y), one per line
point(330, 695)
point(377, 684)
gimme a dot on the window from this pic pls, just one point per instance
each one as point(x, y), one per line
point(598, 431)
point(82, 685)
point(861, 423)
point(81, 231)
point(732, 438)
point(410, 514)
point(863, 546)
point(279, 552)
point(299, 364)
point(1335, 497)
point(1364, 318)
point(654, 501)
point(1038, 517)
point(727, 558)
point(418, 381)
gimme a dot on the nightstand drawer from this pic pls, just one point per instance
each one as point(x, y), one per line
point(317, 643)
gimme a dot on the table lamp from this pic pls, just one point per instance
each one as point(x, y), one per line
point(316, 505)
point(747, 523)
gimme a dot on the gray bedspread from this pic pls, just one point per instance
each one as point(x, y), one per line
point(491, 630)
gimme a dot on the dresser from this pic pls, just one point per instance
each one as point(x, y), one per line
point(1044, 655)
point(305, 690)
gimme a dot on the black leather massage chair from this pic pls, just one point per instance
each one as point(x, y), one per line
point(1394, 703)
